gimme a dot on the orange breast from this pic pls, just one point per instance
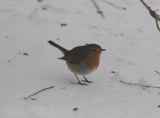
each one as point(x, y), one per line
point(94, 60)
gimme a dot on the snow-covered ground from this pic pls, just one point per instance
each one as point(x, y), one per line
point(129, 35)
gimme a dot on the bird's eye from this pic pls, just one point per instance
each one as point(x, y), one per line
point(94, 50)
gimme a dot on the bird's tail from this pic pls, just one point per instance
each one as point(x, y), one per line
point(58, 46)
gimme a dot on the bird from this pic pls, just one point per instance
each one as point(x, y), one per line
point(81, 60)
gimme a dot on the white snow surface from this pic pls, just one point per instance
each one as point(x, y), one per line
point(132, 44)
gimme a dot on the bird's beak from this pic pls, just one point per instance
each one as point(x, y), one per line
point(103, 50)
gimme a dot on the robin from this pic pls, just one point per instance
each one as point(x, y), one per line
point(81, 60)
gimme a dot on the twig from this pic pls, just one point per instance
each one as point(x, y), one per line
point(157, 72)
point(115, 6)
point(152, 13)
point(98, 8)
point(136, 84)
point(39, 91)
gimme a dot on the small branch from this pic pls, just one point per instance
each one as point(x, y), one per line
point(39, 92)
point(136, 84)
point(156, 19)
point(98, 8)
point(152, 13)
point(157, 72)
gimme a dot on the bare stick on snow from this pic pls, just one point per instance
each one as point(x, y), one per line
point(157, 72)
point(136, 84)
point(152, 13)
point(98, 8)
point(39, 92)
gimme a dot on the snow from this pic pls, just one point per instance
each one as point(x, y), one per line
point(130, 37)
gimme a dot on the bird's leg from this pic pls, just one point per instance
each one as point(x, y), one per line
point(79, 82)
point(86, 80)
